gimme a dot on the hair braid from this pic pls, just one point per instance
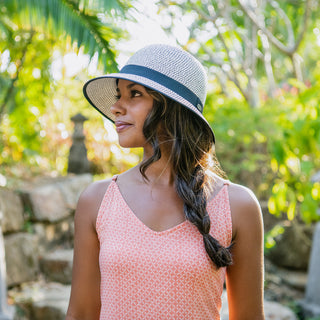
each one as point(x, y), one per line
point(194, 192)
point(190, 150)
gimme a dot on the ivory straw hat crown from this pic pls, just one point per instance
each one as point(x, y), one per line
point(167, 69)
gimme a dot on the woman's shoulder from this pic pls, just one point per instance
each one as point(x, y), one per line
point(95, 191)
point(245, 208)
point(242, 197)
point(90, 199)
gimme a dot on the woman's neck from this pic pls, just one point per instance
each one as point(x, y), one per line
point(160, 172)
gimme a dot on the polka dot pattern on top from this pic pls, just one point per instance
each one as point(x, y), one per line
point(164, 275)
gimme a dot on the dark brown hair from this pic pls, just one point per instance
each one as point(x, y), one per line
point(191, 148)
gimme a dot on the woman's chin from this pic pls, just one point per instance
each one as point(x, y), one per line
point(128, 144)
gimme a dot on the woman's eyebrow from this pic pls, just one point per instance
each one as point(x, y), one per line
point(129, 86)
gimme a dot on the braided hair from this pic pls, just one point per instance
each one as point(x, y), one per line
point(190, 146)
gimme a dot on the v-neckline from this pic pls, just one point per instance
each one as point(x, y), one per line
point(147, 228)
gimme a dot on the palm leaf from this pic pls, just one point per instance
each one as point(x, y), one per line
point(78, 19)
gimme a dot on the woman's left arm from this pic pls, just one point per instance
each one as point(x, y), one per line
point(245, 276)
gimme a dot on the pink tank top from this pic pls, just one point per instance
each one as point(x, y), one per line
point(163, 275)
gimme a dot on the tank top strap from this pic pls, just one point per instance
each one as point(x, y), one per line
point(226, 183)
point(106, 203)
point(227, 211)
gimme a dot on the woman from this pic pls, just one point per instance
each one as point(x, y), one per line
point(156, 241)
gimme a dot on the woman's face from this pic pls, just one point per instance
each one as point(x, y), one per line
point(130, 111)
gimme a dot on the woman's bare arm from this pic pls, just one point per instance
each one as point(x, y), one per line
point(245, 276)
point(84, 301)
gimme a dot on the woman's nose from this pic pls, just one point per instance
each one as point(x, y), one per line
point(117, 108)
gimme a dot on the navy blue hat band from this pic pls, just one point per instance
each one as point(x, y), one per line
point(165, 81)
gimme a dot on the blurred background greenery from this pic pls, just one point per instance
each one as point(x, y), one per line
point(263, 100)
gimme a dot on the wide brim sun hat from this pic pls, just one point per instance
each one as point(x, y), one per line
point(170, 70)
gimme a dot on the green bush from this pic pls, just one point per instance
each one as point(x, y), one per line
point(274, 149)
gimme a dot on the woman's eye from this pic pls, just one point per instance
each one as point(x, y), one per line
point(135, 93)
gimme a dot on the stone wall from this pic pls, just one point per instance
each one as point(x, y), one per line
point(36, 219)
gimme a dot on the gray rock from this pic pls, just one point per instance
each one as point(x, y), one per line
point(293, 246)
point(275, 311)
point(224, 310)
point(12, 211)
point(282, 284)
point(41, 301)
point(55, 199)
point(52, 235)
point(295, 279)
point(57, 266)
point(6, 311)
point(311, 303)
point(72, 186)
point(22, 261)
point(46, 203)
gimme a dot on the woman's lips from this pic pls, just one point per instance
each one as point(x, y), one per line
point(121, 126)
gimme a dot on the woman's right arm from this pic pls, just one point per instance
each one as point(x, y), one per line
point(84, 301)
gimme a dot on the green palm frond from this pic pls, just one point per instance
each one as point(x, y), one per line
point(120, 7)
point(77, 18)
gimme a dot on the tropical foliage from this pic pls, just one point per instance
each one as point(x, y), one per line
point(253, 44)
point(274, 149)
point(261, 56)
point(88, 23)
point(41, 42)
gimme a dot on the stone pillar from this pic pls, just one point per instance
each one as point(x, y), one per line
point(311, 303)
point(78, 162)
point(6, 311)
